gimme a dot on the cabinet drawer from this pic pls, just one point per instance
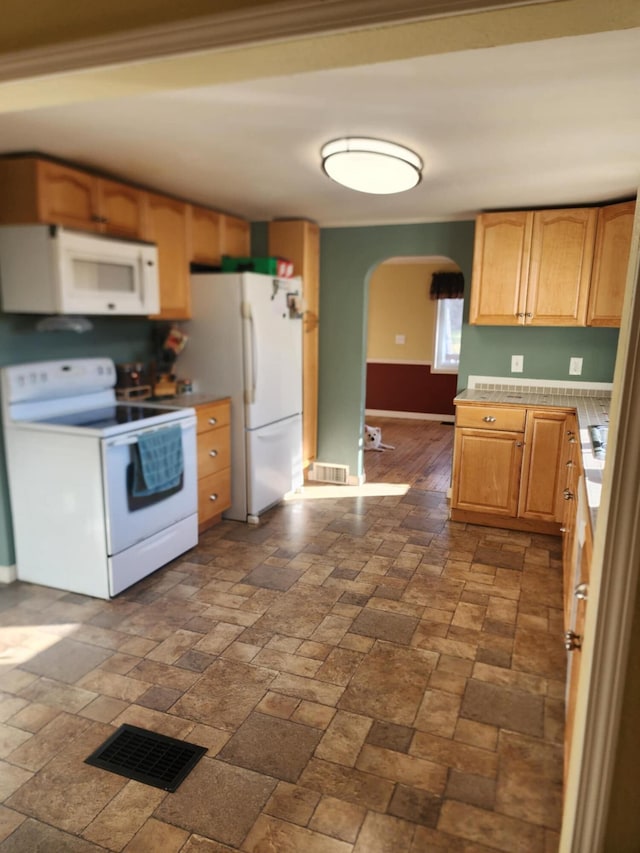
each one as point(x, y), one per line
point(214, 494)
point(481, 417)
point(213, 415)
point(214, 450)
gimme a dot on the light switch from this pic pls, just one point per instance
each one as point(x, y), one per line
point(575, 366)
point(400, 339)
point(517, 363)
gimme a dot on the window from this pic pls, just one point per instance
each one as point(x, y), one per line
point(448, 334)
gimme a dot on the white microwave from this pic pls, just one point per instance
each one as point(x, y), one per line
point(46, 269)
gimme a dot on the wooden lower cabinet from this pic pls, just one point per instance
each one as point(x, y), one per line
point(214, 461)
point(507, 467)
point(577, 576)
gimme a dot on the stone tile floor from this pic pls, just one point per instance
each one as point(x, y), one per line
point(366, 676)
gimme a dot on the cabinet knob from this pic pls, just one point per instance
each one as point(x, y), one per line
point(528, 314)
point(213, 421)
point(567, 495)
point(489, 419)
point(570, 464)
point(572, 440)
point(519, 443)
point(213, 497)
point(519, 314)
point(581, 592)
point(563, 530)
point(111, 306)
point(213, 453)
point(572, 641)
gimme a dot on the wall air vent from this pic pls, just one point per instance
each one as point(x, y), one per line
point(324, 473)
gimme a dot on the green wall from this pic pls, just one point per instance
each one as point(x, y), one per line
point(347, 258)
point(122, 339)
point(487, 351)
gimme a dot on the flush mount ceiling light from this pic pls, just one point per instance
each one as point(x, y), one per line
point(371, 165)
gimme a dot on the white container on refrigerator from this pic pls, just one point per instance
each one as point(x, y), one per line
point(246, 343)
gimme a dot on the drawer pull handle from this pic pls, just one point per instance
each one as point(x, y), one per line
point(213, 497)
point(581, 592)
point(213, 453)
point(213, 421)
point(572, 641)
point(489, 419)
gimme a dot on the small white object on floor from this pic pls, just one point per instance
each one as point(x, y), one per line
point(373, 439)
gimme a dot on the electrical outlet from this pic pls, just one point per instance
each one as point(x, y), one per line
point(400, 339)
point(575, 366)
point(517, 363)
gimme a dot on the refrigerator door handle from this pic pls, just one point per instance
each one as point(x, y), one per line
point(250, 366)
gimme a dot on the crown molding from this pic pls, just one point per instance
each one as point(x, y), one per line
point(274, 22)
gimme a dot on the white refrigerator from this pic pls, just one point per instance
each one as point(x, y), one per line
point(245, 342)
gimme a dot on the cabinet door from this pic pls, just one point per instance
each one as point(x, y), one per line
point(167, 227)
point(298, 241)
point(67, 196)
point(610, 261)
point(571, 461)
point(562, 246)
point(235, 237)
point(543, 475)
point(122, 209)
point(500, 268)
point(486, 471)
point(580, 577)
point(204, 235)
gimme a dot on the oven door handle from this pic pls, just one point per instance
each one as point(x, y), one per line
point(129, 439)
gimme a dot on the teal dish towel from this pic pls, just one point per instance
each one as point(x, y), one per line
point(157, 461)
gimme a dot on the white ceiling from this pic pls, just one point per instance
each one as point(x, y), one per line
point(538, 124)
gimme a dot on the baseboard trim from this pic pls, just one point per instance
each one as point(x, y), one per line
point(414, 416)
point(8, 574)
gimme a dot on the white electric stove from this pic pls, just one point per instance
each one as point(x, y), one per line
point(79, 524)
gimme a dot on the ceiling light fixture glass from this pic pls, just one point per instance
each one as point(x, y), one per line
point(371, 165)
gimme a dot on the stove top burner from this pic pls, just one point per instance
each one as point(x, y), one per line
point(108, 416)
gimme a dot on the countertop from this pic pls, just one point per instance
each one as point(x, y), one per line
point(590, 409)
point(183, 401)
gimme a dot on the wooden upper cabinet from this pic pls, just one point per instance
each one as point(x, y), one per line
point(204, 235)
point(235, 236)
point(298, 240)
point(533, 267)
point(500, 268)
point(122, 209)
point(167, 227)
point(611, 258)
point(39, 190)
point(562, 244)
point(68, 196)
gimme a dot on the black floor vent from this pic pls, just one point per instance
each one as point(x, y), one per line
point(147, 757)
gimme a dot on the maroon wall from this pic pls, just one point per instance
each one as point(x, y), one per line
point(410, 388)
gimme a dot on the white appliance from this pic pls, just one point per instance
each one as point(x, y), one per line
point(245, 342)
point(45, 269)
point(79, 523)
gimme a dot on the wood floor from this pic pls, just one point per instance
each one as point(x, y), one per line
point(421, 456)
